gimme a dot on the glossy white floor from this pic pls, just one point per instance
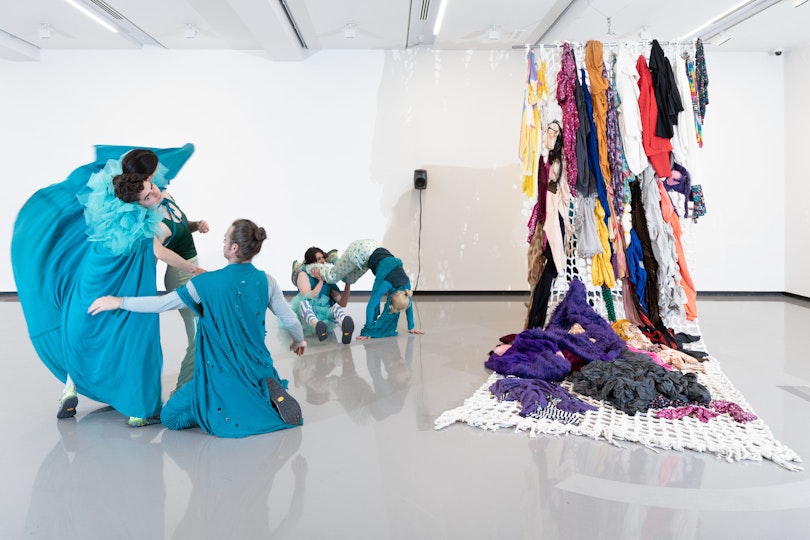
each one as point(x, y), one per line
point(368, 463)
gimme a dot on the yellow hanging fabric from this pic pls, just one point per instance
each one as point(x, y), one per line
point(601, 267)
point(529, 128)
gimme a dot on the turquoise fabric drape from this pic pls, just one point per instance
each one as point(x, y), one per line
point(114, 358)
point(229, 396)
point(382, 323)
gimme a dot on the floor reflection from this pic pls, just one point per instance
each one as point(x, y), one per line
point(99, 468)
point(574, 466)
point(229, 499)
point(373, 393)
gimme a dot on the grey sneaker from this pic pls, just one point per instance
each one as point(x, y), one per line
point(67, 404)
point(347, 329)
point(286, 405)
point(321, 330)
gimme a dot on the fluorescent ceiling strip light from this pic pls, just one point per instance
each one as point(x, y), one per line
point(719, 17)
point(797, 3)
point(439, 18)
point(93, 16)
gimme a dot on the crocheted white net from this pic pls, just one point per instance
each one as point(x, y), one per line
point(722, 435)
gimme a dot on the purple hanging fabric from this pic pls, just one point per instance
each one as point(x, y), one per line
point(566, 81)
point(701, 80)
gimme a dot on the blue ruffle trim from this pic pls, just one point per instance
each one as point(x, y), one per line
point(114, 223)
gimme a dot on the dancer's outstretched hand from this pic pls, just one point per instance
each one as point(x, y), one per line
point(105, 303)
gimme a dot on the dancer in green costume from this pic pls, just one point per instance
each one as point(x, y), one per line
point(175, 235)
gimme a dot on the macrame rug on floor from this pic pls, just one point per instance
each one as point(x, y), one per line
point(721, 435)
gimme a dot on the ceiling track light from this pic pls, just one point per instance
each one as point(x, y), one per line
point(494, 33)
point(730, 18)
point(45, 31)
point(191, 31)
point(93, 16)
point(439, 18)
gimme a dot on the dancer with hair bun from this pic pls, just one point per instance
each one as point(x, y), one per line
point(236, 390)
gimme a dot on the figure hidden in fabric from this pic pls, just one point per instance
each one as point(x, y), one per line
point(549, 221)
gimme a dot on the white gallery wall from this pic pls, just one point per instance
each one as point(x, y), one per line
point(322, 152)
point(797, 185)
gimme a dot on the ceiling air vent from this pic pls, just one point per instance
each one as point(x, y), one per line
point(107, 9)
point(127, 27)
point(424, 12)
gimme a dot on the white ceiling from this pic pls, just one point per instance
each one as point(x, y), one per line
point(264, 25)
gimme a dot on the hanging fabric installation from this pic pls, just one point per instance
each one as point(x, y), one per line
point(629, 113)
point(617, 165)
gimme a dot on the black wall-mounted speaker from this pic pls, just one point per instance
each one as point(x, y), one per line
point(420, 179)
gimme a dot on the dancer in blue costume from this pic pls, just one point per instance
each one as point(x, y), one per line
point(390, 281)
point(72, 242)
point(319, 305)
point(236, 391)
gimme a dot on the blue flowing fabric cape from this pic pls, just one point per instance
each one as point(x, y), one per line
point(114, 357)
point(230, 397)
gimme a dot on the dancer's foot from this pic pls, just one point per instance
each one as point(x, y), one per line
point(68, 403)
point(286, 405)
point(347, 329)
point(321, 330)
point(134, 421)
